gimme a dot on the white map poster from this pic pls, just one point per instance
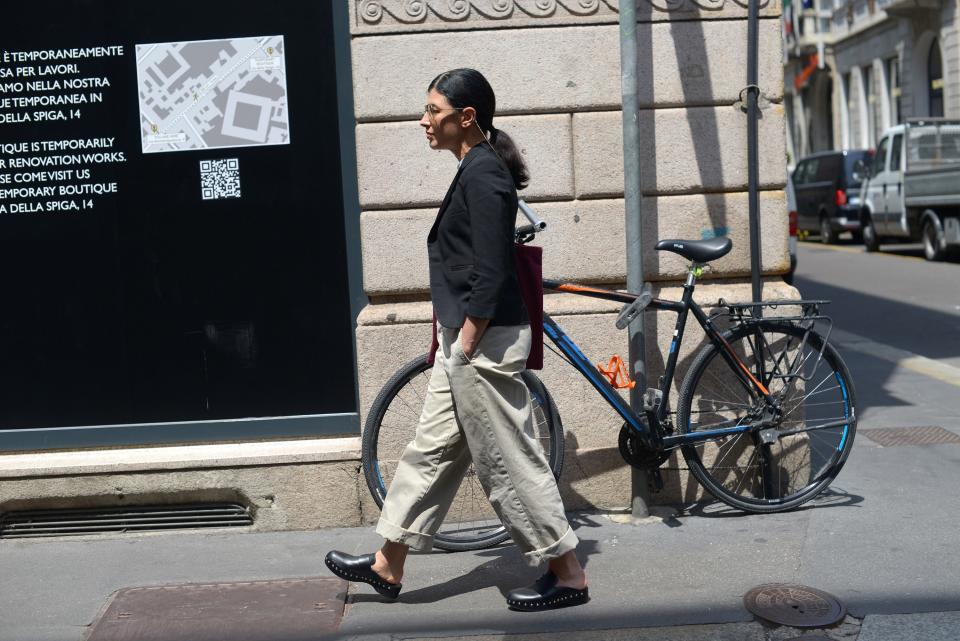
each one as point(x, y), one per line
point(212, 94)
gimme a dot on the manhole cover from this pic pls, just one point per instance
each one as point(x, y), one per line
point(287, 610)
point(794, 605)
point(920, 435)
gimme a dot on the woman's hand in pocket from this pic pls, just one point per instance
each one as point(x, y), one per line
point(472, 332)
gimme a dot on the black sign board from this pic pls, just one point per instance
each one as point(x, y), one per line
point(172, 241)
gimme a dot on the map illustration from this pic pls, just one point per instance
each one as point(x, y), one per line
point(212, 94)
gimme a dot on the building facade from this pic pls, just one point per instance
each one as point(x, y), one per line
point(855, 67)
point(555, 65)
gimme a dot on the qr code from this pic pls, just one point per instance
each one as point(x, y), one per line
point(220, 178)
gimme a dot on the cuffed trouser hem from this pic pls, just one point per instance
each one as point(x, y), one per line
point(566, 543)
point(416, 540)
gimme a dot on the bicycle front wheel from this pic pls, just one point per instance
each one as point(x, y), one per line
point(470, 523)
point(807, 431)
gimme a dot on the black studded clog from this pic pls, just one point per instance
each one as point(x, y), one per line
point(545, 594)
point(360, 569)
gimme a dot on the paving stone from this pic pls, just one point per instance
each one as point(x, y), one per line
point(930, 626)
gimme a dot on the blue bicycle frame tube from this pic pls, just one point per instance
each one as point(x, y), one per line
point(576, 357)
point(650, 438)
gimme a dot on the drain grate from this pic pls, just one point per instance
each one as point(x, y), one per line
point(41, 523)
point(798, 606)
point(920, 435)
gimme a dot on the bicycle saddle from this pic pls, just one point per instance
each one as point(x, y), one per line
point(699, 251)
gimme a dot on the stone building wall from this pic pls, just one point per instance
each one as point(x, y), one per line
point(555, 66)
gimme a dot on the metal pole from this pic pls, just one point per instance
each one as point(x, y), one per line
point(753, 162)
point(632, 204)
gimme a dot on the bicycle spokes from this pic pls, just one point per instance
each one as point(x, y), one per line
point(797, 436)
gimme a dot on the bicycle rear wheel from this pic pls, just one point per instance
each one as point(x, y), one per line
point(471, 523)
point(762, 470)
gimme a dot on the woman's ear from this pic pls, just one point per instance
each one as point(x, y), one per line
point(469, 117)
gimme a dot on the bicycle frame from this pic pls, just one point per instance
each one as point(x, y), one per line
point(653, 437)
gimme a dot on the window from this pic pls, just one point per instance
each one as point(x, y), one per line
point(932, 146)
point(851, 159)
point(798, 173)
point(880, 160)
point(830, 168)
point(895, 150)
point(807, 171)
point(935, 76)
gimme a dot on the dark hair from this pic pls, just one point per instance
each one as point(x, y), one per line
point(468, 88)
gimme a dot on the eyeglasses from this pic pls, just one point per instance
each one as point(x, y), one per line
point(432, 111)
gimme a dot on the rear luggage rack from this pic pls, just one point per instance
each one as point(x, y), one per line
point(749, 314)
point(809, 307)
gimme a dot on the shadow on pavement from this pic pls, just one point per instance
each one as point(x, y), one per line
point(829, 498)
point(895, 323)
point(504, 571)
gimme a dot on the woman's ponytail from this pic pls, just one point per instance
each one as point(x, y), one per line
point(468, 88)
point(511, 156)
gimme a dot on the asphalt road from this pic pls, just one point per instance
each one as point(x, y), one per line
point(897, 318)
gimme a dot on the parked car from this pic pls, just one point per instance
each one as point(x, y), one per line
point(911, 190)
point(792, 221)
point(828, 193)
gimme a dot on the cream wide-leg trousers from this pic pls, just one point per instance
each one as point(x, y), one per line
point(475, 410)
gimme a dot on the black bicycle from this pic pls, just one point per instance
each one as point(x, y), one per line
point(765, 417)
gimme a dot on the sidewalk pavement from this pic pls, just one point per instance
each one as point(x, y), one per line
point(883, 540)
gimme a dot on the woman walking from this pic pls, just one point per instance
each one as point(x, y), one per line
point(476, 404)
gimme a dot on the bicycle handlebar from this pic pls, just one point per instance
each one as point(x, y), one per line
point(526, 233)
point(535, 223)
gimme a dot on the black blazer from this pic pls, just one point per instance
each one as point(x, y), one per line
point(470, 246)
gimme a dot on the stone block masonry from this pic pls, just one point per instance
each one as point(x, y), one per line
point(584, 239)
point(568, 69)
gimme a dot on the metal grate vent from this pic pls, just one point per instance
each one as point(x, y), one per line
point(920, 435)
point(104, 520)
